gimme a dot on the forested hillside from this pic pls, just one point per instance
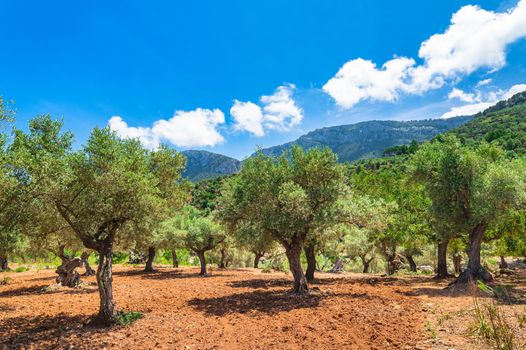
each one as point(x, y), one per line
point(504, 123)
point(205, 165)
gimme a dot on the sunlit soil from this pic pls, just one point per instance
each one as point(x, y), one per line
point(236, 309)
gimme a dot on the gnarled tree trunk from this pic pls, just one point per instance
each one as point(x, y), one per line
point(338, 266)
point(411, 261)
point(67, 274)
point(202, 261)
point(257, 257)
point(457, 263)
point(293, 252)
point(474, 270)
point(366, 263)
point(4, 266)
point(175, 261)
point(390, 263)
point(105, 284)
point(503, 264)
point(84, 261)
point(442, 259)
point(310, 254)
point(149, 262)
point(223, 257)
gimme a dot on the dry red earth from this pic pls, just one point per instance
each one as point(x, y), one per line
point(230, 309)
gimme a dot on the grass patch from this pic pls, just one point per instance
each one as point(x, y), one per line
point(125, 318)
point(21, 269)
point(431, 330)
point(490, 322)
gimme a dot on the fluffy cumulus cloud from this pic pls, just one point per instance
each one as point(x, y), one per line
point(278, 111)
point(360, 79)
point(475, 39)
point(197, 128)
point(248, 116)
point(479, 101)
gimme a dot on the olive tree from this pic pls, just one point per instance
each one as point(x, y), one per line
point(102, 191)
point(191, 229)
point(289, 199)
point(470, 189)
point(12, 196)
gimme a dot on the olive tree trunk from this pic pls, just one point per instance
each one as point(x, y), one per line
point(337, 267)
point(201, 256)
point(175, 261)
point(84, 262)
point(457, 263)
point(149, 261)
point(4, 266)
point(293, 253)
point(474, 270)
point(503, 264)
point(310, 254)
point(391, 264)
point(366, 263)
point(104, 281)
point(67, 274)
point(223, 257)
point(442, 259)
point(412, 263)
point(257, 257)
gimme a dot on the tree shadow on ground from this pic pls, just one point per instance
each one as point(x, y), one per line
point(270, 301)
point(164, 275)
point(46, 289)
point(261, 283)
point(266, 283)
point(504, 291)
point(50, 331)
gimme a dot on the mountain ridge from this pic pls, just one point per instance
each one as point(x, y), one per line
point(350, 142)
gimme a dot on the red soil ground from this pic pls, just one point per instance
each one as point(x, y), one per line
point(230, 309)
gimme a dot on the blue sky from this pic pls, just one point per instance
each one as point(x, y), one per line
point(229, 76)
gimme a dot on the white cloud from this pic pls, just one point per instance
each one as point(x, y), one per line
point(515, 89)
point(484, 82)
point(461, 95)
point(479, 101)
point(197, 128)
point(146, 136)
point(360, 79)
point(248, 116)
point(278, 111)
point(467, 109)
point(475, 39)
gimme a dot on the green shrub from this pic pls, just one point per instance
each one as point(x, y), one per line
point(125, 318)
point(21, 269)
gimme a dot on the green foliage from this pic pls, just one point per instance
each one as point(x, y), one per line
point(125, 318)
point(191, 229)
point(288, 198)
point(206, 193)
point(203, 234)
point(401, 149)
point(491, 324)
point(503, 124)
point(13, 196)
point(468, 187)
